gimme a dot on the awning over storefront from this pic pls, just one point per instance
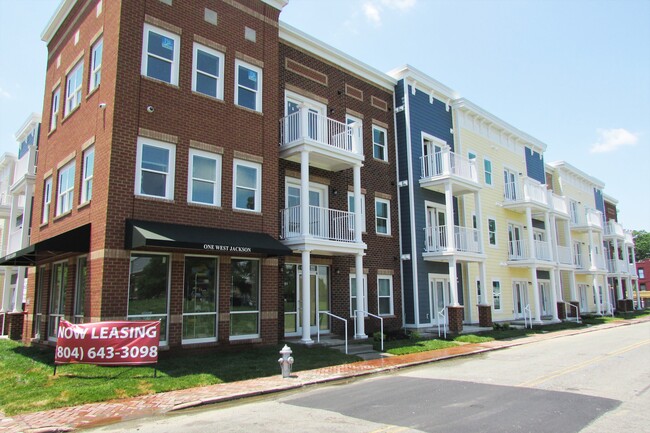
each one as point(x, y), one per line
point(74, 241)
point(141, 234)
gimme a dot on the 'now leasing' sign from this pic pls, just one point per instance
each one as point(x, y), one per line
point(107, 343)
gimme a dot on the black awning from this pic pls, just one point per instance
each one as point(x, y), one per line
point(74, 241)
point(141, 234)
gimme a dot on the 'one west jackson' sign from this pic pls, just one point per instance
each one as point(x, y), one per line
point(227, 248)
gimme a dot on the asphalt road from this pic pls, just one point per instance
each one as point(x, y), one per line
point(596, 382)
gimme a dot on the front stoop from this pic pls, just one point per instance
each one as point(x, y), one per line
point(362, 348)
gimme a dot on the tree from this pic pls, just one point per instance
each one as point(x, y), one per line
point(641, 244)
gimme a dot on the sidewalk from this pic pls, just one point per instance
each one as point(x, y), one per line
point(96, 414)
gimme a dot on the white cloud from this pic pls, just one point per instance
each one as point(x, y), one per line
point(4, 94)
point(374, 9)
point(609, 140)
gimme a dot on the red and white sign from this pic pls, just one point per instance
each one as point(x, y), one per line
point(107, 343)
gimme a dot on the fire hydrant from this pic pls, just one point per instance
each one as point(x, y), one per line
point(286, 361)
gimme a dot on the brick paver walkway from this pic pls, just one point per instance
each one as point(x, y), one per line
point(95, 414)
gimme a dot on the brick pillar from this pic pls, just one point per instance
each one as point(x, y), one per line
point(573, 311)
point(455, 319)
point(485, 316)
point(561, 312)
point(15, 328)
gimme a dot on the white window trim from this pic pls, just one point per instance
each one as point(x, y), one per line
point(258, 186)
point(75, 307)
point(500, 295)
point(195, 71)
point(47, 200)
point(169, 181)
point(145, 52)
point(385, 132)
point(389, 278)
point(87, 181)
point(95, 72)
point(491, 184)
point(216, 190)
point(73, 96)
point(56, 106)
point(388, 225)
point(363, 210)
point(259, 302)
point(258, 92)
point(68, 192)
point(353, 305)
point(496, 232)
point(216, 311)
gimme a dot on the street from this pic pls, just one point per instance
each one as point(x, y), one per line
point(591, 382)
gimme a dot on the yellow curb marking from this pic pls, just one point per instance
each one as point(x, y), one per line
point(580, 365)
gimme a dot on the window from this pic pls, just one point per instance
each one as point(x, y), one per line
point(96, 65)
point(382, 216)
point(379, 148)
point(57, 299)
point(65, 193)
point(207, 71)
point(641, 273)
point(204, 184)
point(244, 298)
point(73, 88)
point(248, 86)
point(385, 295)
point(496, 295)
point(56, 96)
point(492, 231)
point(363, 210)
point(349, 120)
point(87, 175)
point(353, 294)
point(160, 54)
point(487, 167)
point(155, 169)
point(149, 289)
point(47, 199)
point(80, 290)
point(200, 299)
point(246, 186)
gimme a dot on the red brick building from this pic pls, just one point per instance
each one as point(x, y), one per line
point(161, 190)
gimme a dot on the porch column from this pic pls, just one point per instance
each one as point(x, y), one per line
point(6, 291)
point(572, 286)
point(484, 285)
point(592, 254)
point(538, 313)
point(453, 283)
point(619, 287)
point(479, 223)
point(18, 294)
point(609, 306)
point(356, 188)
point(304, 195)
point(597, 294)
point(529, 232)
point(638, 295)
point(549, 224)
point(449, 215)
point(358, 271)
point(560, 285)
point(306, 313)
point(556, 317)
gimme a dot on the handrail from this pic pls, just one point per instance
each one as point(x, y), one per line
point(530, 316)
point(443, 313)
point(345, 322)
point(576, 308)
point(381, 324)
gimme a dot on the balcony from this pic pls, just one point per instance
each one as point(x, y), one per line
point(618, 267)
point(466, 243)
point(524, 193)
point(590, 219)
point(612, 230)
point(446, 166)
point(332, 145)
point(518, 251)
point(629, 237)
point(330, 231)
point(579, 261)
point(564, 255)
point(5, 205)
point(599, 261)
point(559, 205)
point(25, 171)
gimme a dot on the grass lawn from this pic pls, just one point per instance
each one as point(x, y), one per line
point(26, 374)
point(404, 347)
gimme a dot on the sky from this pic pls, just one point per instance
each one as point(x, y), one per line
point(574, 74)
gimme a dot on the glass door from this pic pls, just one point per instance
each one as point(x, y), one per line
point(584, 307)
point(520, 294)
point(545, 298)
point(436, 228)
point(516, 246)
point(316, 126)
point(432, 154)
point(319, 299)
point(510, 184)
point(57, 298)
point(317, 213)
point(439, 292)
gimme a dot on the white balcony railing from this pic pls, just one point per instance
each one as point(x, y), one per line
point(612, 228)
point(598, 260)
point(542, 250)
point(447, 163)
point(526, 190)
point(517, 250)
point(5, 199)
point(309, 125)
point(564, 255)
point(466, 239)
point(622, 266)
point(611, 266)
point(26, 164)
point(559, 203)
point(586, 217)
point(578, 261)
point(324, 223)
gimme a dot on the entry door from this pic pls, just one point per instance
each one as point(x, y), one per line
point(436, 228)
point(439, 292)
point(316, 127)
point(318, 299)
point(520, 294)
point(510, 184)
point(432, 153)
point(57, 298)
point(545, 298)
point(584, 306)
point(316, 215)
point(516, 243)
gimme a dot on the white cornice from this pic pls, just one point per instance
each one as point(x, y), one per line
point(278, 4)
point(57, 19)
point(565, 166)
point(29, 124)
point(318, 48)
point(469, 107)
point(424, 82)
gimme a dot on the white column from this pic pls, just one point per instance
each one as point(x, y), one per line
point(549, 224)
point(619, 286)
point(304, 194)
point(356, 187)
point(484, 284)
point(18, 294)
point(572, 286)
point(597, 293)
point(306, 292)
point(592, 254)
point(556, 317)
point(449, 215)
point(538, 313)
point(453, 283)
point(638, 295)
point(361, 324)
point(529, 232)
point(6, 291)
point(479, 221)
point(608, 300)
point(560, 285)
